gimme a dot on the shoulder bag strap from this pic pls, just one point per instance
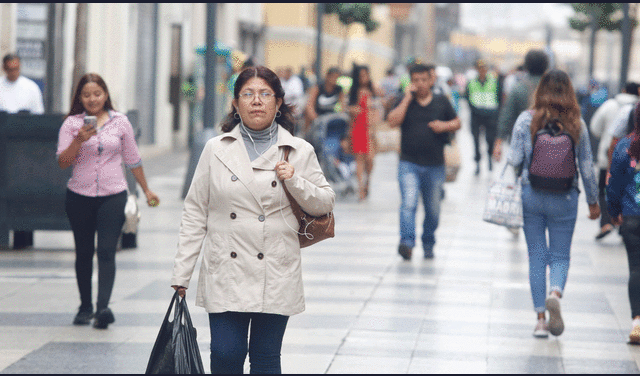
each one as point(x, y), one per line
point(294, 204)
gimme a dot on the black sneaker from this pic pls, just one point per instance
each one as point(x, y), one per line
point(405, 251)
point(103, 318)
point(428, 254)
point(83, 317)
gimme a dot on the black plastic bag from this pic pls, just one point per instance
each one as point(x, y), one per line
point(176, 349)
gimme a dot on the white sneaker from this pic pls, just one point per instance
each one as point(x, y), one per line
point(542, 329)
point(556, 325)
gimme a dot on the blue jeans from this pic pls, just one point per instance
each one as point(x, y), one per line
point(418, 180)
point(557, 213)
point(229, 331)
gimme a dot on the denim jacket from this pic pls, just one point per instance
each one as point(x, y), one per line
point(622, 189)
point(522, 150)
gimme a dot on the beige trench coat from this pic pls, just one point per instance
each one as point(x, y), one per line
point(237, 215)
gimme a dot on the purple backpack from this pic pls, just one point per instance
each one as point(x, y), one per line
point(553, 162)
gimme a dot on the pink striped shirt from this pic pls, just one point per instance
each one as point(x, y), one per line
point(97, 170)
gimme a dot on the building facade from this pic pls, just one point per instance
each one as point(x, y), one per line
point(144, 51)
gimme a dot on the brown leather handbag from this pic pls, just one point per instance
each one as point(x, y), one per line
point(312, 229)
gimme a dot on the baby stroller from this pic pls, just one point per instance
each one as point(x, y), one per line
point(325, 134)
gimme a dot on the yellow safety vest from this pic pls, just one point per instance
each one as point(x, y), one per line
point(484, 96)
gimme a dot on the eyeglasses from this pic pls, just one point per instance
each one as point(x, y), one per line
point(264, 96)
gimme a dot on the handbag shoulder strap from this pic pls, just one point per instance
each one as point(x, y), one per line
point(297, 210)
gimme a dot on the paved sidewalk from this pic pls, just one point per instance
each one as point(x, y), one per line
point(467, 311)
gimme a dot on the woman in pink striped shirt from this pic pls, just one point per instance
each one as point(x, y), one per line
point(97, 190)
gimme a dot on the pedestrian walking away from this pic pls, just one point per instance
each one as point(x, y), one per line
point(237, 215)
point(550, 202)
point(95, 139)
point(601, 126)
point(624, 208)
point(483, 96)
point(623, 124)
point(520, 97)
point(19, 94)
point(426, 121)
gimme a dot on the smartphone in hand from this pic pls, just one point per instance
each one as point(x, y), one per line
point(91, 120)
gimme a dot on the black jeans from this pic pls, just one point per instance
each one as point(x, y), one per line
point(487, 120)
point(630, 231)
point(106, 216)
point(229, 332)
point(605, 218)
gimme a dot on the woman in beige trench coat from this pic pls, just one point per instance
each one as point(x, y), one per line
point(237, 215)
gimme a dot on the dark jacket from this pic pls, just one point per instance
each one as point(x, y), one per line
point(516, 103)
point(622, 191)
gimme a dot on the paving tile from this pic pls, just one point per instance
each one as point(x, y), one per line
point(444, 366)
point(599, 366)
point(368, 364)
point(469, 310)
point(79, 357)
point(393, 324)
point(385, 347)
point(307, 363)
point(321, 321)
point(524, 364)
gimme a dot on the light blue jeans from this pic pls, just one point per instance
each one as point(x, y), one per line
point(557, 213)
point(416, 180)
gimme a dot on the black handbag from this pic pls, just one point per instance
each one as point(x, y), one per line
point(176, 349)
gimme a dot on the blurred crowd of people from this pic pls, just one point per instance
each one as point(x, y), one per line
point(338, 113)
point(512, 114)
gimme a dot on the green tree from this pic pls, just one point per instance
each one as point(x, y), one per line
point(597, 16)
point(348, 14)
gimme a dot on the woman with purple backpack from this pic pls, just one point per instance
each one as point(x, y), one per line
point(545, 143)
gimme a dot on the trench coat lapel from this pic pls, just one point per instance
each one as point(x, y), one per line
point(236, 159)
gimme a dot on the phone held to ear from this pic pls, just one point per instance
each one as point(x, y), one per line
point(91, 120)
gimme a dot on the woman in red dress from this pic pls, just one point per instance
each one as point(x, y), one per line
point(360, 97)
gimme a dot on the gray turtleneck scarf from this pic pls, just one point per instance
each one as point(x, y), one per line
point(262, 140)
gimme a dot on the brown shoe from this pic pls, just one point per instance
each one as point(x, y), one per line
point(634, 336)
point(405, 251)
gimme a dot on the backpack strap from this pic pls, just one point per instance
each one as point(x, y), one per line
point(630, 123)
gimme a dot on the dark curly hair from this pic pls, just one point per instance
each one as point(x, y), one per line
point(285, 119)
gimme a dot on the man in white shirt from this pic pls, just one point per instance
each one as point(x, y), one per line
point(293, 90)
point(18, 93)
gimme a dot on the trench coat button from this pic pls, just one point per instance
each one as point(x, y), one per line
point(234, 255)
point(261, 218)
point(260, 256)
point(234, 178)
point(233, 215)
point(273, 183)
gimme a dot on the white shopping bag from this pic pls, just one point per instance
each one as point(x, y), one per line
point(504, 203)
point(131, 215)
